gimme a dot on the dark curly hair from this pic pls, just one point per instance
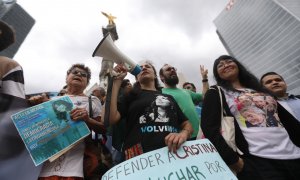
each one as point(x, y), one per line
point(124, 83)
point(83, 67)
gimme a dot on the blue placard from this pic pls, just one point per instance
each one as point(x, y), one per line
point(47, 129)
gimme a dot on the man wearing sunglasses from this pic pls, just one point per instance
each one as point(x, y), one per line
point(184, 98)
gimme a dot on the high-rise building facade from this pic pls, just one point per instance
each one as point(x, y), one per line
point(14, 15)
point(265, 36)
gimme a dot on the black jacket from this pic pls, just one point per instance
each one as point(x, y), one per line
point(211, 123)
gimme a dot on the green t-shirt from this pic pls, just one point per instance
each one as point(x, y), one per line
point(185, 99)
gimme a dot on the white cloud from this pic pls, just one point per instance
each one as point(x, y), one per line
point(66, 32)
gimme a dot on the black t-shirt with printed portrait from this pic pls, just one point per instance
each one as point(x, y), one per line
point(150, 117)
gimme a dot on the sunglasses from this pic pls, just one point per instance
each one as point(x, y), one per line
point(80, 73)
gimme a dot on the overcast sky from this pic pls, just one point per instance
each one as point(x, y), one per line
point(177, 32)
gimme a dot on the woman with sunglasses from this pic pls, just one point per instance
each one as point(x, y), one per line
point(144, 130)
point(69, 166)
point(269, 151)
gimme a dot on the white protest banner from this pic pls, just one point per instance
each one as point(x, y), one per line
point(194, 160)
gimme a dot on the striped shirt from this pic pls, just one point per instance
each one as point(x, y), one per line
point(11, 78)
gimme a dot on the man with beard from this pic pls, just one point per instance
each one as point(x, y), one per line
point(277, 86)
point(183, 97)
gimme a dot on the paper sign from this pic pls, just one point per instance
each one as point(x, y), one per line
point(194, 160)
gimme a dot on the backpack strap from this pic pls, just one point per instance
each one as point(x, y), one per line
point(94, 135)
point(90, 106)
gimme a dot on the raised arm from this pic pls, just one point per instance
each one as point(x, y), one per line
point(205, 84)
point(115, 115)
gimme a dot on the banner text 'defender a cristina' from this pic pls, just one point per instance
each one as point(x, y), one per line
point(194, 160)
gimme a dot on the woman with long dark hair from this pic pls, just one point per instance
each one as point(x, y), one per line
point(144, 132)
point(267, 151)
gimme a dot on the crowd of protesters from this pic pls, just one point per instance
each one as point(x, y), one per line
point(266, 117)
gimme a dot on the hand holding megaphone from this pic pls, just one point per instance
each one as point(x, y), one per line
point(107, 49)
point(119, 72)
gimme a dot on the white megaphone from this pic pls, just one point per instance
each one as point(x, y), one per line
point(108, 50)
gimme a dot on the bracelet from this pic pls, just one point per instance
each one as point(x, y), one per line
point(204, 80)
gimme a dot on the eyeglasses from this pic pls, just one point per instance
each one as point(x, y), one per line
point(170, 69)
point(76, 72)
point(222, 63)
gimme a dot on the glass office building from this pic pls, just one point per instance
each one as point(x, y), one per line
point(14, 15)
point(265, 36)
